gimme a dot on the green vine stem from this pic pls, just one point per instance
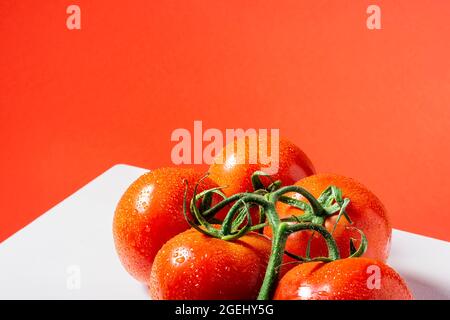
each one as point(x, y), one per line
point(279, 243)
point(281, 231)
point(238, 221)
point(316, 207)
point(211, 212)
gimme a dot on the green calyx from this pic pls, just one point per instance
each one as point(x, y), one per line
point(254, 211)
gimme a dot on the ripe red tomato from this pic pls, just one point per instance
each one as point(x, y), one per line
point(233, 166)
point(365, 210)
point(198, 267)
point(151, 212)
point(345, 279)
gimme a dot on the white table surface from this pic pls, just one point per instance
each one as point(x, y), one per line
point(68, 253)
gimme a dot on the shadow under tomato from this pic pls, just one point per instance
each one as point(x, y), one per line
point(423, 290)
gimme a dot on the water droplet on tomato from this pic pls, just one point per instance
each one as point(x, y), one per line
point(180, 255)
point(180, 259)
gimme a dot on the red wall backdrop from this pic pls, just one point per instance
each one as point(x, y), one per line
point(371, 104)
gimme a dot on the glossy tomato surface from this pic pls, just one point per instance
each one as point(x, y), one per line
point(151, 212)
point(234, 166)
point(194, 266)
point(365, 210)
point(345, 279)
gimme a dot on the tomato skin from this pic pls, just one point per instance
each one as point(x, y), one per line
point(366, 211)
point(149, 213)
point(232, 167)
point(345, 279)
point(193, 266)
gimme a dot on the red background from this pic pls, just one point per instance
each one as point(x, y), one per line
point(371, 104)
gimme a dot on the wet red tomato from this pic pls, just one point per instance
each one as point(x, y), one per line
point(365, 210)
point(151, 212)
point(345, 279)
point(194, 266)
point(235, 164)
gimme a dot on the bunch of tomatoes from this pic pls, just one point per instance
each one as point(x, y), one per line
point(239, 233)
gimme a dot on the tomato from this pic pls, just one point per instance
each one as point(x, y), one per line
point(344, 279)
point(365, 210)
point(233, 166)
point(194, 266)
point(151, 212)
